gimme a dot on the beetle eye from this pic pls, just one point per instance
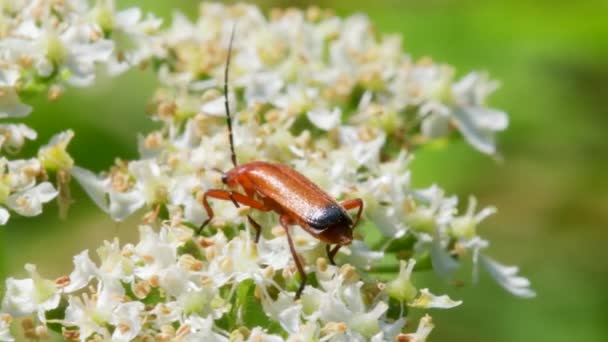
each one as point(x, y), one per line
point(224, 179)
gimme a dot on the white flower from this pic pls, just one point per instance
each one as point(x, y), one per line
point(128, 320)
point(8, 77)
point(261, 87)
point(90, 314)
point(10, 105)
point(428, 300)
point(156, 251)
point(216, 106)
point(53, 156)
point(5, 324)
point(31, 295)
point(506, 276)
point(240, 258)
point(93, 186)
point(166, 313)
point(23, 173)
point(13, 136)
point(84, 271)
point(4, 216)
point(133, 37)
point(362, 150)
point(386, 196)
point(325, 119)
point(29, 202)
point(258, 334)
point(402, 288)
point(201, 329)
point(433, 206)
point(283, 310)
point(153, 182)
point(116, 203)
point(341, 300)
point(74, 50)
point(477, 123)
point(123, 204)
point(361, 255)
point(115, 265)
point(465, 226)
point(183, 194)
point(436, 119)
point(424, 329)
point(444, 265)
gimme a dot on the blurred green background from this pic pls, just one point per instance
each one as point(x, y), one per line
point(551, 190)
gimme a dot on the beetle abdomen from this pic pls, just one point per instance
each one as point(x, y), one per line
point(286, 190)
point(330, 215)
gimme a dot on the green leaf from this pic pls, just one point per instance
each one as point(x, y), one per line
point(404, 243)
point(56, 314)
point(252, 312)
point(190, 247)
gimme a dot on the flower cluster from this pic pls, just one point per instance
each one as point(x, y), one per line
point(325, 95)
point(170, 286)
point(47, 44)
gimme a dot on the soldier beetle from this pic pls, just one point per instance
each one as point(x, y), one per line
point(279, 188)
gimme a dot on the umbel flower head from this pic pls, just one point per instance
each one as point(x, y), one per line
point(327, 96)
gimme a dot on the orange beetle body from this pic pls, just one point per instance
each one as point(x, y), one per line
point(287, 192)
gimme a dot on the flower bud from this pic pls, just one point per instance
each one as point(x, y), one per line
point(402, 288)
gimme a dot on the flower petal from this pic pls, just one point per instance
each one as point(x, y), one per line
point(428, 300)
point(506, 276)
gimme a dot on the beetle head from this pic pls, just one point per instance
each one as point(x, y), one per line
point(339, 233)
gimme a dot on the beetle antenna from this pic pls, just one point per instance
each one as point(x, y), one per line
point(227, 105)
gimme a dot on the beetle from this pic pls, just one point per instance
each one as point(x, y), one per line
point(281, 189)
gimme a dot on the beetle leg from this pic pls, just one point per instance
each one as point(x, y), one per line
point(331, 253)
point(285, 223)
point(256, 226)
point(235, 197)
point(351, 204)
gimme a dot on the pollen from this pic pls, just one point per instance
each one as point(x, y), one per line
point(54, 93)
point(141, 289)
point(334, 328)
point(6, 318)
point(322, 264)
point(206, 280)
point(123, 328)
point(182, 331)
point(22, 201)
point(41, 332)
point(154, 281)
point(206, 242)
point(148, 259)
point(62, 281)
point(349, 273)
point(278, 231)
point(257, 338)
point(226, 265)
point(153, 140)
point(189, 262)
point(403, 338)
point(257, 292)
point(268, 272)
point(300, 240)
point(120, 181)
point(70, 335)
point(167, 109)
point(243, 211)
point(25, 61)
